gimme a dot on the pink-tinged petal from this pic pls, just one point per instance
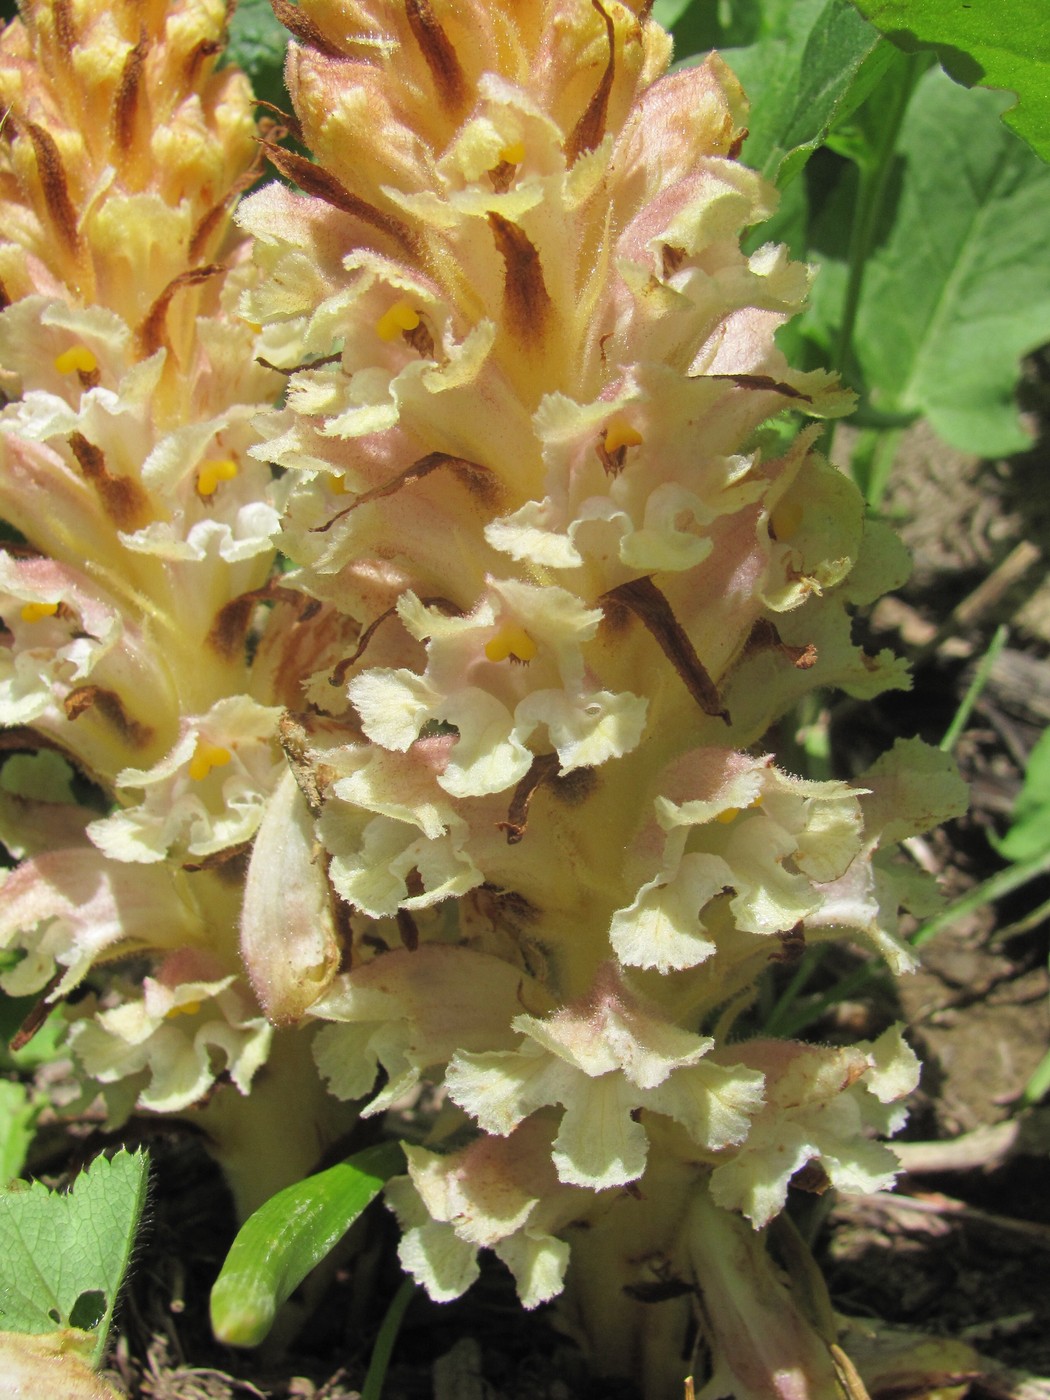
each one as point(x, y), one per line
point(68, 908)
point(288, 939)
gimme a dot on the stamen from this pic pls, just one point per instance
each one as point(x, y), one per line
point(206, 757)
point(513, 154)
point(785, 520)
point(188, 1008)
point(400, 317)
point(36, 612)
point(78, 358)
point(731, 813)
point(212, 472)
point(513, 642)
point(619, 433)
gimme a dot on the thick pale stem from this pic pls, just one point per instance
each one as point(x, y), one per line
point(275, 1135)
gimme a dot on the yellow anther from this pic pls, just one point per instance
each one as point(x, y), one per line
point(786, 519)
point(513, 154)
point(77, 357)
point(206, 757)
point(212, 472)
point(188, 1008)
point(35, 612)
point(730, 814)
point(510, 641)
point(400, 317)
point(619, 433)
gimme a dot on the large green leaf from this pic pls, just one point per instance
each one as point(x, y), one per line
point(999, 43)
point(956, 292)
point(63, 1256)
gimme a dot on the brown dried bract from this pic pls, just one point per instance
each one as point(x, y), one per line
point(590, 129)
point(122, 498)
point(543, 769)
point(642, 598)
point(313, 179)
point(526, 302)
point(111, 707)
point(440, 55)
point(474, 477)
point(152, 334)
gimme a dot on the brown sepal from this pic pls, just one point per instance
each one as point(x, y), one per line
point(37, 1016)
point(315, 180)
point(227, 633)
point(760, 381)
point(303, 28)
point(129, 90)
point(340, 669)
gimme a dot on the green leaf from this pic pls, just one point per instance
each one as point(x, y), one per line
point(18, 1115)
point(956, 292)
point(257, 44)
point(998, 43)
point(1029, 832)
point(813, 63)
point(63, 1256)
point(288, 1236)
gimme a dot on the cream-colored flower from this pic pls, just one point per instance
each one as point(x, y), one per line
point(822, 1105)
point(206, 796)
point(176, 1039)
point(604, 1059)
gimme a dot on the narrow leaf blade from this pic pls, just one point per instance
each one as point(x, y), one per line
point(288, 1236)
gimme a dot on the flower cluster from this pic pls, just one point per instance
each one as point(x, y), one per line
point(487, 797)
point(140, 546)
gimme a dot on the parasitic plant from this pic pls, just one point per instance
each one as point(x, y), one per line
point(482, 792)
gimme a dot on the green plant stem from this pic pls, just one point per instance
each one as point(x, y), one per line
point(995, 887)
point(977, 685)
point(871, 199)
point(385, 1339)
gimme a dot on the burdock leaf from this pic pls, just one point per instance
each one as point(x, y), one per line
point(1005, 45)
point(63, 1255)
point(956, 293)
point(288, 1236)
